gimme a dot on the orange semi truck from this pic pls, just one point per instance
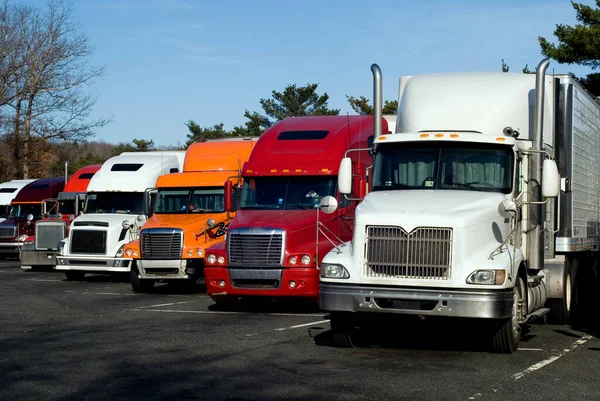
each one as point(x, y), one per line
point(189, 214)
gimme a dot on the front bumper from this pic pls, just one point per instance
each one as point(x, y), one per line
point(10, 248)
point(93, 264)
point(488, 304)
point(32, 257)
point(263, 282)
point(178, 269)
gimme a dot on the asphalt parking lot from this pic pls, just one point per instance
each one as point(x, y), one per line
point(97, 340)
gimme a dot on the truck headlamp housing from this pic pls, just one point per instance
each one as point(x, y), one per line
point(61, 247)
point(487, 277)
point(120, 251)
point(332, 270)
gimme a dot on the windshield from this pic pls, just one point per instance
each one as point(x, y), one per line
point(66, 206)
point(21, 211)
point(186, 200)
point(115, 202)
point(4, 211)
point(289, 193)
point(473, 168)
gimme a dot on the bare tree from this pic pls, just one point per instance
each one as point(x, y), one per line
point(49, 95)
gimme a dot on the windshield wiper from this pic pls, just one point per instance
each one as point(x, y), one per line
point(463, 185)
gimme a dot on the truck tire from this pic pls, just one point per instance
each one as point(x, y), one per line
point(74, 275)
point(506, 337)
point(560, 309)
point(140, 285)
point(342, 330)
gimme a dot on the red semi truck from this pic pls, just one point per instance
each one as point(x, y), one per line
point(41, 247)
point(272, 246)
point(27, 208)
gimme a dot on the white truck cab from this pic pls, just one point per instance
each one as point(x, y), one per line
point(462, 209)
point(119, 200)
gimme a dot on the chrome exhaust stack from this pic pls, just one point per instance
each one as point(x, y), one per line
point(535, 242)
point(377, 100)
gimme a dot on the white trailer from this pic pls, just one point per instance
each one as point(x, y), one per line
point(463, 209)
point(119, 201)
point(8, 191)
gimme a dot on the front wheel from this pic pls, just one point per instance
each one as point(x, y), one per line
point(74, 275)
point(506, 337)
point(139, 284)
point(342, 330)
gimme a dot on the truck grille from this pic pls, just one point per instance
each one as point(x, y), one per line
point(161, 243)
point(256, 248)
point(424, 253)
point(48, 234)
point(8, 232)
point(88, 241)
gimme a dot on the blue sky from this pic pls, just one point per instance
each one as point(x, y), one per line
point(169, 61)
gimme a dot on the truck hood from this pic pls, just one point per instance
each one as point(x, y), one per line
point(290, 220)
point(182, 221)
point(414, 208)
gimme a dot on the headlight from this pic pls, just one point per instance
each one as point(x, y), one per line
point(120, 251)
point(220, 260)
point(487, 277)
point(199, 252)
point(305, 259)
point(293, 260)
point(135, 254)
point(190, 253)
point(22, 237)
point(334, 271)
point(211, 259)
point(128, 252)
point(61, 247)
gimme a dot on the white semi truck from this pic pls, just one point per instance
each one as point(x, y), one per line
point(119, 201)
point(467, 203)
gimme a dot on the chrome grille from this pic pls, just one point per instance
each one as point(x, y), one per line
point(256, 248)
point(424, 253)
point(161, 243)
point(48, 234)
point(8, 231)
point(88, 241)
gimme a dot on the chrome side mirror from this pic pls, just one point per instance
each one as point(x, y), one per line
point(328, 204)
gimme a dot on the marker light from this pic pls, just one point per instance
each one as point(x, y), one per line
point(439, 135)
point(424, 135)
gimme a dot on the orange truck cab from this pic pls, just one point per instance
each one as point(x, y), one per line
point(189, 214)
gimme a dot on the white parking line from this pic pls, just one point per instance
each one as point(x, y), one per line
point(43, 279)
point(108, 293)
point(548, 361)
point(297, 326)
point(210, 312)
point(529, 349)
point(167, 304)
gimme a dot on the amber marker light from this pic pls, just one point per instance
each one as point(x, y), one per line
point(324, 170)
point(273, 171)
point(501, 139)
point(453, 135)
point(439, 135)
point(298, 170)
point(286, 170)
point(424, 135)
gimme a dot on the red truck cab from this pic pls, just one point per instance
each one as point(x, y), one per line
point(27, 208)
point(40, 248)
point(273, 247)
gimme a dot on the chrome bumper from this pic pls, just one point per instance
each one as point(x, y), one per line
point(11, 247)
point(93, 264)
point(488, 304)
point(163, 269)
